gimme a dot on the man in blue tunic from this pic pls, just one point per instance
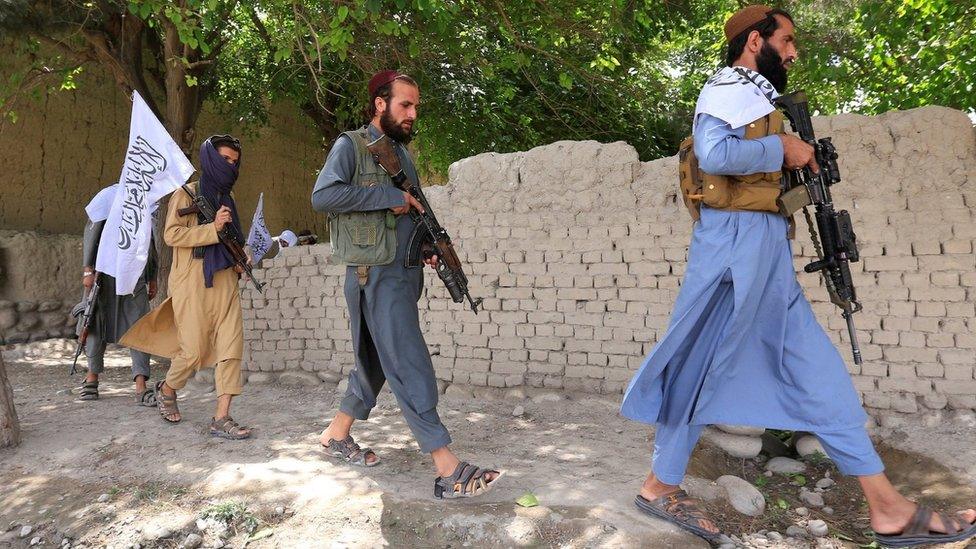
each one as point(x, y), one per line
point(743, 346)
point(369, 228)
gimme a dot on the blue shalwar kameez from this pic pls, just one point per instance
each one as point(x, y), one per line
point(743, 346)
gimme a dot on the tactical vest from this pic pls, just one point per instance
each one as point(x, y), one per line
point(364, 238)
point(755, 192)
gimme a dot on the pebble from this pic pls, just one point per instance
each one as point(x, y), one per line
point(817, 528)
point(802, 511)
point(26, 530)
point(160, 533)
point(192, 541)
point(825, 483)
point(809, 445)
point(785, 465)
point(519, 411)
point(35, 540)
point(774, 536)
point(103, 498)
point(812, 499)
point(795, 531)
point(280, 510)
point(768, 474)
point(828, 510)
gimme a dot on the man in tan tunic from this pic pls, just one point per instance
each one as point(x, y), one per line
point(200, 324)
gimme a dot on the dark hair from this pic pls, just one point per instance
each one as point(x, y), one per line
point(226, 141)
point(766, 28)
point(384, 92)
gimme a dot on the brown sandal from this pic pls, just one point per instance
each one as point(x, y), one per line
point(228, 428)
point(167, 405)
point(917, 532)
point(680, 509)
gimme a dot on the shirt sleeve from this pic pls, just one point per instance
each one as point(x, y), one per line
point(334, 193)
point(722, 150)
point(93, 233)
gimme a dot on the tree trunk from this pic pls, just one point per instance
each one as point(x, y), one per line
point(9, 426)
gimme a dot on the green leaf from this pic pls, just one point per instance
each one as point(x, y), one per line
point(781, 503)
point(343, 13)
point(527, 500)
point(191, 80)
point(565, 80)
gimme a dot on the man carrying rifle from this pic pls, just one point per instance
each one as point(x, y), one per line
point(200, 324)
point(370, 230)
point(112, 314)
point(743, 346)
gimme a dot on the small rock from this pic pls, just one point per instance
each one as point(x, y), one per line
point(457, 390)
point(35, 540)
point(802, 511)
point(328, 376)
point(519, 411)
point(768, 474)
point(26, 530)
point(825, 483)
point(280, 510)
point(259, 378)
point(202, 525)
point(160, 533)
point(795, 531)
point(785, 465)
point(774, 536)
point(217, 544)
point(63, 392)
point(746, 430)
point(809, 445)
point(103, 498)
point(828, 510)
point(192, 541)
point(743, 496)
point(817, 528)
point(546, 397)
point(812, 499)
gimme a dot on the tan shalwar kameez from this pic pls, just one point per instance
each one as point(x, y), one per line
point(196, 326)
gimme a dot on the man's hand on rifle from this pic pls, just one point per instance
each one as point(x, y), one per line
point(431, 261)
point(411, 202)
point(797, 153)
point(152, 289)
point(222, 218)
point(88, 278)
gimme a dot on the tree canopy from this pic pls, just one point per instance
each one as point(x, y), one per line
point(495, 75)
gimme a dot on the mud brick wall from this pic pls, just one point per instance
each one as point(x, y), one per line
point(40, 280)
point(69, 144)
point(578, 249)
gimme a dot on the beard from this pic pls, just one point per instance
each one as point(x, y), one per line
point(770, 65)
point(390, 127)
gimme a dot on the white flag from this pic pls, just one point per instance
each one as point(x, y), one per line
point(154, 167)
point(259, 238)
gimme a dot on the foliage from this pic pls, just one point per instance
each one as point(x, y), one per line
point(495, 75)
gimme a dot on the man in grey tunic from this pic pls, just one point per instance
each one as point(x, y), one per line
point(369, 229)
point(113, 315)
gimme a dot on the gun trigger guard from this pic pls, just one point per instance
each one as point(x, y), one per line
point(419, 240)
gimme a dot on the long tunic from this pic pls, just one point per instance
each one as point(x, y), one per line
point(743, 345)
point(388, 301)
point(114, 314)
point(201, 325)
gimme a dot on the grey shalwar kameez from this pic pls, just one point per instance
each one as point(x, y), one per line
point(114, 314)
point(385, 324)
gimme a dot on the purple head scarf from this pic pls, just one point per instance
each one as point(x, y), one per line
point(217, 178)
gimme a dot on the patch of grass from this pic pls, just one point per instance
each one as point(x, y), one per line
point(233, 513)
point(148, 492)
point(817, 458)
point(797, 479)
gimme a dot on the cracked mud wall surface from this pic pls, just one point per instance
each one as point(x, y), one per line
point(579, 248)
point(69, 144)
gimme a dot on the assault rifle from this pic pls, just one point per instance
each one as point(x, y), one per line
point(837, 245)
point(87, 314)
point(229, 236)
point(428, 237)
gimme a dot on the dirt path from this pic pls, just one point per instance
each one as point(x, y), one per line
point(582, 461)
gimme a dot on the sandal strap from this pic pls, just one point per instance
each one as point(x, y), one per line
point(919, 524)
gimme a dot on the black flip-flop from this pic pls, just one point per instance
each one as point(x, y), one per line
point(679, 509)
point(917, 532)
